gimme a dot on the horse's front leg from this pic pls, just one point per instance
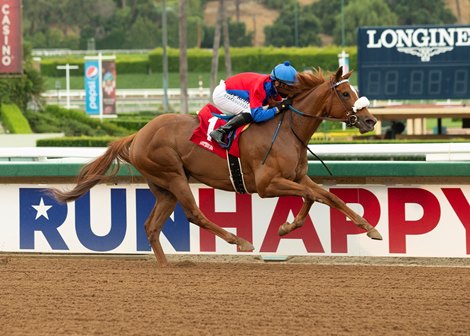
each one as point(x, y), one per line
point(324, 196)
point(283, 187)
point(312, 192)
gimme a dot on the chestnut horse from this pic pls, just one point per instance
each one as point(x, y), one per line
point(162, 152)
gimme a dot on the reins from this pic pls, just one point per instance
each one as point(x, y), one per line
point(351, 117)
point(298, 138)
point(274, 138)
point(302, 114)
point(350, 120)
point(308, 148)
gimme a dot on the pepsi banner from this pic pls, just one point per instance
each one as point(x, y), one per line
point(11, 37)
point(415, 220)
point(414, 62)
point(100, 85)
point(92, 87)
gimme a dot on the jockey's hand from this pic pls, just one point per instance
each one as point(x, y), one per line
point(284, 105)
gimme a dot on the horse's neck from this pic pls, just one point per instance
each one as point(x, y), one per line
point(305, 126)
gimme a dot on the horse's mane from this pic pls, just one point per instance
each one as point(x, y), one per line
point(309, 79)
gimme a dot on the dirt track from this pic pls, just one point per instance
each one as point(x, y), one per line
point(130, 296)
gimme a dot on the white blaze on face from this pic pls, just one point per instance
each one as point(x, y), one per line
point(353, 89)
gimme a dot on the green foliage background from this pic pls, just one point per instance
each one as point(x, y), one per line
point(24, 88)
point(137, 24)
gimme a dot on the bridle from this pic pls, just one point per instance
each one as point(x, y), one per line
point(351, 117)
point(350, 120)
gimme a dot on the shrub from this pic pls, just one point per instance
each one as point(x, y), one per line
point(71, 123)
point(23, 88)
point(255, 59)
point(125, 64)
point(14, 120)
point(76, 142)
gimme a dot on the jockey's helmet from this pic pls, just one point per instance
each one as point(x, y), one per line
point(284, 73)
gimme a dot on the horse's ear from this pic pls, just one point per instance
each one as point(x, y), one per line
point(338, 74)
point(348, 75)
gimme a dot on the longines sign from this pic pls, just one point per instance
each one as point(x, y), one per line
point(11, 52)
point(421, 42)
point(411, 62)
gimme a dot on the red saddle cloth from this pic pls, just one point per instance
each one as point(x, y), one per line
point(207, 123)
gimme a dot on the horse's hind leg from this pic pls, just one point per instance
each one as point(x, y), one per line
point(180, 188)
point(165, 204)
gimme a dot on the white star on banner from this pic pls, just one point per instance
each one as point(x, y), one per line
point(41, 209)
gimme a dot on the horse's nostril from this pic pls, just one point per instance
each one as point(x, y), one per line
point(371, 122)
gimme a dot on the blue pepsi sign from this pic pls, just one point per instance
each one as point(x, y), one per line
point(414, 62)
point(92, 87)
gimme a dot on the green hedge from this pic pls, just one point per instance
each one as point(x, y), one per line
point(199, 60)
point(255, 59)
point(134, 121)
point(130, 124)
point(125, 64)
point(14, 120)
point(82, 117)
point(76, 142)
point(71, 122)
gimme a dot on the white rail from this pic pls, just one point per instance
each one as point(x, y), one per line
point(432, 151)
point(132, 93)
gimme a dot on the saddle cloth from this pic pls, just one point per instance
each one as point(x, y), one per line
point(207, 123)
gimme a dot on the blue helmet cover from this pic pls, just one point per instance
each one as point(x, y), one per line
point(285, 73)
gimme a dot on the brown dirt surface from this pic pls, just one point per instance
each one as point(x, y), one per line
point(208, 295)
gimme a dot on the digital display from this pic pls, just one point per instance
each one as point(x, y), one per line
point(431, 62)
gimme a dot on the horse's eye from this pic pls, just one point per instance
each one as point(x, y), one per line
point(345, 94)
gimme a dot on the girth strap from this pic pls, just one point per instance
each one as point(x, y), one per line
point(236, 173)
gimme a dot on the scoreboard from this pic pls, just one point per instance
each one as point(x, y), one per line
point(414, 62)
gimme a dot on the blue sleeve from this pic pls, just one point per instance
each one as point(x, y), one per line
point(259, 114)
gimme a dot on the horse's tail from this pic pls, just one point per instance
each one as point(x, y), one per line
point(97, 170)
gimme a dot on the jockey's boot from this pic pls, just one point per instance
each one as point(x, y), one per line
point(238, 120)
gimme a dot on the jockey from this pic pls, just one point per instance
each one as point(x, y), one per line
point(248, 97)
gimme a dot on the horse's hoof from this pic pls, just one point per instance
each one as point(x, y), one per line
point(374, 234)
point(162, 264)
point(246, 246)
point(282, 230)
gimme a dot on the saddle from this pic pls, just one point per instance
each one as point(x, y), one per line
point(209, 120)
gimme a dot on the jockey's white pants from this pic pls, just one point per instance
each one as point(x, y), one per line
point(228, 103)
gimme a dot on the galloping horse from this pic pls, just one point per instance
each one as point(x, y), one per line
point(162, 152)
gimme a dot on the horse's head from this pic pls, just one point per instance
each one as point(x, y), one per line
point(344, 103)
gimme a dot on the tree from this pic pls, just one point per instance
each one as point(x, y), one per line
point(183, 56)
point(360, 13)
point(25, 88)
point(327, 11)
point(421, 12)
point(239, 37)
point(141, 35)
point(225, 26)
point(215, 47)
point(283, 32)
